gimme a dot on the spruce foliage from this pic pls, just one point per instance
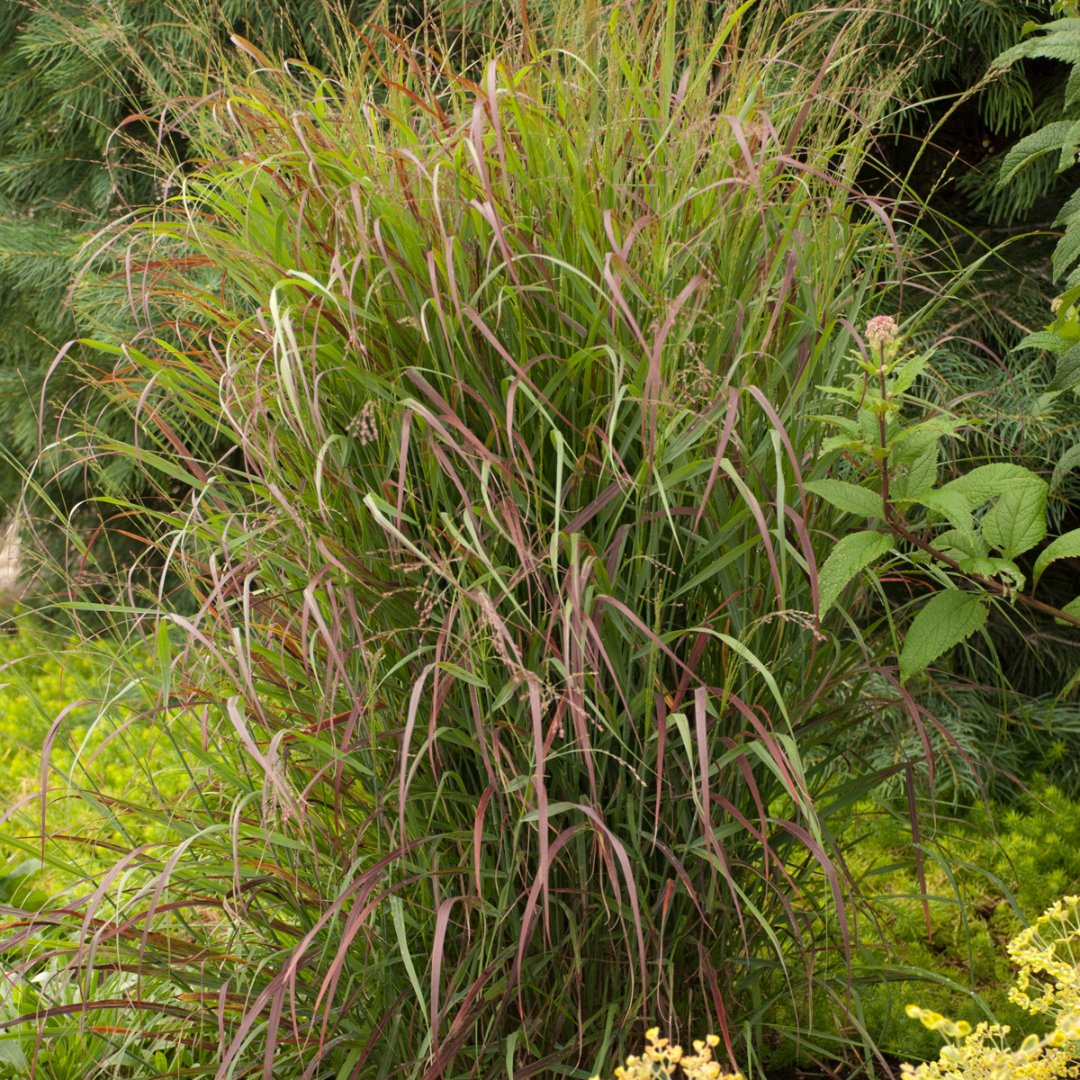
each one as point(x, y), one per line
point(83, 90)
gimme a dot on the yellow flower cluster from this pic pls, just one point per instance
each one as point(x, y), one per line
point(984, 1053)
point(661, 1058)
point(1046, 952)
point(1047, 955)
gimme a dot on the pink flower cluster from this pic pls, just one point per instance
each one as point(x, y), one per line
point(881, 330)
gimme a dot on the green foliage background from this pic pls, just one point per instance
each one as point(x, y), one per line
point(98, 746)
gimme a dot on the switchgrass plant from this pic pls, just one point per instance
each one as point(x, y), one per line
point(509, 718)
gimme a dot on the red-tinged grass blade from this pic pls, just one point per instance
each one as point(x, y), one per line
point(506, 489)
point(531, 910)
point(720, 1012)
point(718, 455)
point(916, 843)
point(540, 794)
point(93, 1006)
point(759, 517)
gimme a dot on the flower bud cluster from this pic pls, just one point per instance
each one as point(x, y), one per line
point(882, 330)
point(883, 347)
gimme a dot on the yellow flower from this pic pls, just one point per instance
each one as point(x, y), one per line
point(1046, 965)
point(661, 1058)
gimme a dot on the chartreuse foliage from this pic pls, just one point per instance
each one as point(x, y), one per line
point(72, 725)
point(511, 711)
point(950, 899)
point(964, 535)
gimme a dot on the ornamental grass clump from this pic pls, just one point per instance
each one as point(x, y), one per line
point(509, 707)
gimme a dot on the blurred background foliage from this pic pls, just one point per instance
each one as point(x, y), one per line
point(83, 86)
point(62, 708)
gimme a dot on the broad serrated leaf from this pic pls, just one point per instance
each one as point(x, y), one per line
point(852, 554)
point(966, 541)
point(947, 504)
point(909, 373)
point(909, 443)
point(850, 498)
point(868, 422)
point(1067, 372)
point(921, 474)
point(1068, 148)
point(1017, 521)
point(1046, 140)
point(950, 617)
point(991, 568)
point(1063, 324)
point(1071, 608)
point(841, 422)
point(1057, 26)
point(913, 443)
point(1044, 339)
point(1066, 463)
point(868, 426)
point(982, 484)
point(1060, 42)
point(1066, 546)
point(1066, 251)
point(852, 393)
point(1072, 204)
point(840, 442)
